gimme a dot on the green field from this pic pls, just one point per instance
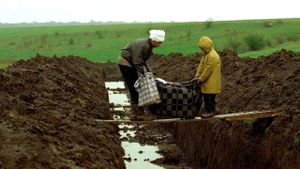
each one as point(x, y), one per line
point(102, 42)
point(3, 66)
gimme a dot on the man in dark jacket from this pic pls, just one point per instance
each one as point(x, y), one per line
point(132, 60)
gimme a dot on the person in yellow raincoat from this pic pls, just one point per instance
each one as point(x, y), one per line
point(208, 75)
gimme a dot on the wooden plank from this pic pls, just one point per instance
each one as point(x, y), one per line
point(230, 117)
point(141, 122)
point(249, 115)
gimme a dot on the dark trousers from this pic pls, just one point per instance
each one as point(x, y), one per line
point(130, 76)
point(210, 103)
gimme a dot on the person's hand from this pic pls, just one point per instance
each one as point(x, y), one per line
point(199, 82)
point(140, 74)
point(195, 79)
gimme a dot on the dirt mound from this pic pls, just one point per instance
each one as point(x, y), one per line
point(175, 67)
point(49, 108)
point(111, 71)
point(265, 83)
point(270, 82)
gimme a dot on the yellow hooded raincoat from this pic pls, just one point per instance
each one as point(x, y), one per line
point(209, 69)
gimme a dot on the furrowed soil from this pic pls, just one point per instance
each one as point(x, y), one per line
point(50, 106)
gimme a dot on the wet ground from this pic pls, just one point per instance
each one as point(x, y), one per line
point(140, 147)
point(50, 111)
point(267, 83)
point(49, 108)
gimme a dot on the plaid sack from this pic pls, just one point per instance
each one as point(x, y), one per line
point(147, 89)
point(181, 100)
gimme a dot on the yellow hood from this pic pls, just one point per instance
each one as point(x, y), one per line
point(205, 43)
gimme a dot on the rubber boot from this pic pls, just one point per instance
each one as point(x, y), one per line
point(133, 115)
point(140, 113)
point(207, 115)
point(149, 115)
point(139, 110)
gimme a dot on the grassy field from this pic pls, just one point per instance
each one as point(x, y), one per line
point(103, 42)
point(3, 66)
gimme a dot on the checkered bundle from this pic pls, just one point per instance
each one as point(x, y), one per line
point(178, 99)
point(147, 89)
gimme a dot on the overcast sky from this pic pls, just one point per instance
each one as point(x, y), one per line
point(15, 11)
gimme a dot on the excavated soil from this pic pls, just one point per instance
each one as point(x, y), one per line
point(266, 83)
point(270, 82)
point(49, 108)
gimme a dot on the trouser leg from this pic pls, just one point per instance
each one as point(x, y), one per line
point(210, 103)
point(130, 76)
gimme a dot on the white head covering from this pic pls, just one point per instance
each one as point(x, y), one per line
point(157, 35)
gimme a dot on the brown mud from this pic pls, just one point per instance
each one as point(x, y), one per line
point(48, 111)
point(266, 83)
point(49, 108)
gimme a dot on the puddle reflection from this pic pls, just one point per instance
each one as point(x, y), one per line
point(115, 85)
point(137, 156)
point(118, 98)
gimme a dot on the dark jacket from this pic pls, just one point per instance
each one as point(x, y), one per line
point(137, 53)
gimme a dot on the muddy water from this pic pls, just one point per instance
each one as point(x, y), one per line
point(119, 99)
point(137, 155)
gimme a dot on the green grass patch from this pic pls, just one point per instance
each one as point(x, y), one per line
point(4, 66)
point(103, 42)
point(267, 51)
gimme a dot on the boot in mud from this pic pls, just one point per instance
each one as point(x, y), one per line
point(207, 115)
point(133, 115)
point(146, 115)
point(137, 113)
point(149, 116)
point(139, 110)
point(140, 113)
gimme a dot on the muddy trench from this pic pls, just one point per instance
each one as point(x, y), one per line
point(52, 113)
point(266, 83)
point(146, 145)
